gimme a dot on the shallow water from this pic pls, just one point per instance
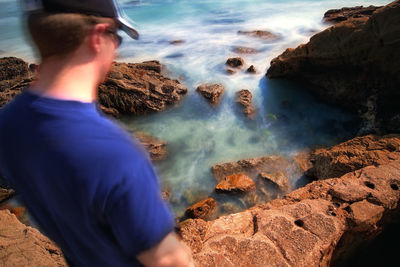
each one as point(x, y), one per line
point(198, 135)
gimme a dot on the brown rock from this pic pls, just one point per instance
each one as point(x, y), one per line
point(352, 64)
point(204, 209)
point(251, 69)
point(157, 148)
point(278, 178)
point(230, 71)
point(212, 92)
point(25, 246)
point(260, 34)
point(177, 42)
point(139, 89)
point(236, 183)
point(235, 62)
point(366, 215)
point(244, 98)
point(353, 155)
point(6, 194)
point(245, 50)
point(339, 15)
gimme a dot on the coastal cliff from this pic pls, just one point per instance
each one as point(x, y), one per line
point(354, 64)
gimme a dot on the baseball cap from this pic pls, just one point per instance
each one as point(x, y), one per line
point(102, 8)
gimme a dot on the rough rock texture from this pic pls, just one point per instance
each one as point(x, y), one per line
point(235, 62)
point(278, 178)
point(339, 15)
point(353, 155)
point(212, 92)
point(244, 98)
point(14, 76)
point(235, 183)
point(355, 64)
point(21, 245)
point(311, 226)
point(260, 34)
point(204, 209)
point(139, 88)
point(157, 148)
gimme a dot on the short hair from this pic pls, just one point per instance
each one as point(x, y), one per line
point(59, 34)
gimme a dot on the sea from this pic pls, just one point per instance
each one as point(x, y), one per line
point(193, 39)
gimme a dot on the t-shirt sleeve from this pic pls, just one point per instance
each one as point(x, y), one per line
point(135, 211)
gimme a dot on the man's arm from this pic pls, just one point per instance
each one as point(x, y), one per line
point(169, 252)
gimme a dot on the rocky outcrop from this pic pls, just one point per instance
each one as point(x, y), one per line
point(204, 209)
point(235, 62)
point(156, 148)
point(355, 64)
point(235, 183)
point(139, 88)
point(260, 34)
point(339, 15)
point(353, 155)
point(21, 245)
point(244, 98)
point(212, 92)
point(317, 225)
point(251, 69)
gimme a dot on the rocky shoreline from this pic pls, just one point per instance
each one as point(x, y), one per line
point(356, 190)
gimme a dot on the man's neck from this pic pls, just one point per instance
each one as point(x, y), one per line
point(67, 80)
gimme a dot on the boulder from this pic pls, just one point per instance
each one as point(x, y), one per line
point(244, 98)
point(251, 69)
point(354, 64)
point(345, 13)
point(279, 179)
point(25, 246)
point(354, 154)
point(139, 88)
point(156, 148)
point(236, 183)
point(204, 209)
point(212, 92)
point(260, 34)
point(235, 62)
point(245, 50)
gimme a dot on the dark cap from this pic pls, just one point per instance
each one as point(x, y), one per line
point(102, 8)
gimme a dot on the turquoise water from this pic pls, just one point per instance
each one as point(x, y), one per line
point(198, 135)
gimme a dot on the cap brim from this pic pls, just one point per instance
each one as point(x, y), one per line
point(128, 28)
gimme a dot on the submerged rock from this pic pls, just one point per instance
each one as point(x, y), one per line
point(354, 154)
point(235, 183)
point(244, 98)
point(279, 179)
point(212, 92)
point(260, 34)
point(354, 64)
point(25, 246)
point(204, 209)
point(245, 50)
point(139, 88)
point(345, 13)
point(235, 62)
point(156, 148)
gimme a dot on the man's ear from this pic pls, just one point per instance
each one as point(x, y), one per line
point(96, 36)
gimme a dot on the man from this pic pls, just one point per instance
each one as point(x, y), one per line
point(85, 182)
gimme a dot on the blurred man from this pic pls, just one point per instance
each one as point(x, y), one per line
point(87, 184)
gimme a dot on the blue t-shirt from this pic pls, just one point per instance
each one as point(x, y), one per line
point(88, 185)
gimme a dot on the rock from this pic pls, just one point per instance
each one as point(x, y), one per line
point(354, 154)
point(25, 246)
point(235, 62)
point(245, 50)
point(251, 69)
point(212, 92)
point(165, 195)
point(353, 64)
point(339, 15)
point(303, 160)
point(156, 148)
point(177, 42)
point(309, 227)
point(260, 34)
point(110, 111)
point(204, 209)
point(139, 89)
point(244, 98)
point(6, 194)
point(236, 183)
point(230, 71)
point(279, 179)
